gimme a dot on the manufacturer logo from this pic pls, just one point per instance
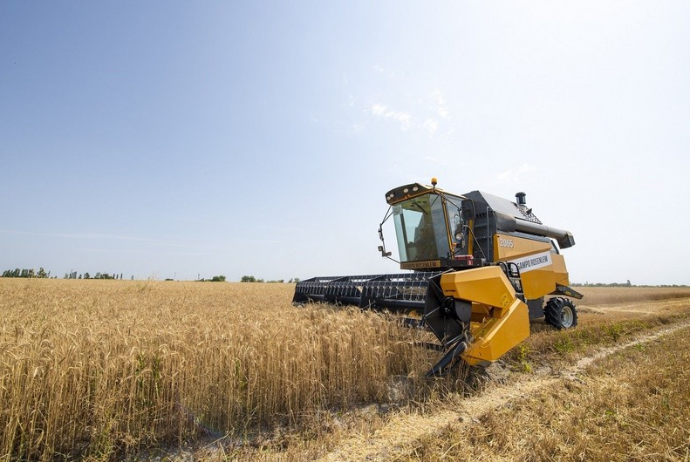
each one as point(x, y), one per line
point(423, 264)
point(533, 262)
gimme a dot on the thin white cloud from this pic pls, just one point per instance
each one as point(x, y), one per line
point(441, 108)
point(505, 175)
point(384, 72)
point(379, 110)
point(382, 111)
point(515, 173)
point(432, 112)
point(431, 126)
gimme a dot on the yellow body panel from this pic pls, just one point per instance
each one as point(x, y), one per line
point(496, 336)
point(540, 267)
point(499, 319)
point(560, 271)
point(538, 283)
point(487, 285)
point(508, 247)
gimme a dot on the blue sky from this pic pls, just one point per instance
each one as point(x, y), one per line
point(183, 139)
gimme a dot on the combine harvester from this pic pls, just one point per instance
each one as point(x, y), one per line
point(482, 268)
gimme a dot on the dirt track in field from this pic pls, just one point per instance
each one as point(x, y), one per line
point(399, 434)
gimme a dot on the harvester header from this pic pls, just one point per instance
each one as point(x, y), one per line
point(482, 268)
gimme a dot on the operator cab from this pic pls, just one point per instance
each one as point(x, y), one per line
point(431, 229)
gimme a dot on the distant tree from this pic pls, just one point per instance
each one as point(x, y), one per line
point(27, 273)
point(104, 276)
point(248, 279)
point(87, 276)
point(220, 278)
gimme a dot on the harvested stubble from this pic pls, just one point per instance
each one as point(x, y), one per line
point(630, 406)
point(612, 295)
point(98, 368)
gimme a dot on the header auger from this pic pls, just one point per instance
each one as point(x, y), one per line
point(482, 268)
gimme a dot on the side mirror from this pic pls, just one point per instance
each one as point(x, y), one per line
point(384, 254)
point(460, 236)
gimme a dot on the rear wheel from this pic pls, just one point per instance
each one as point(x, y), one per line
point(560, 313)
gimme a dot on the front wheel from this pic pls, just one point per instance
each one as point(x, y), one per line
point(560, 313)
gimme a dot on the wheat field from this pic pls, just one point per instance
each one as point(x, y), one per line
point(104, 369)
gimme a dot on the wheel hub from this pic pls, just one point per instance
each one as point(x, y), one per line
point(567, 316)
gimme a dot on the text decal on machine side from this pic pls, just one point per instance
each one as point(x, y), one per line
point(533, 262)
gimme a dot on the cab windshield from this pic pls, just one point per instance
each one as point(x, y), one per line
point(421, 229)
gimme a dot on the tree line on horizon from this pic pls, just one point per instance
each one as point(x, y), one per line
point(42, 274)
point(253, 279)
point(26, 273)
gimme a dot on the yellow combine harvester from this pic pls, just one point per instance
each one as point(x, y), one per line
point(482, 268)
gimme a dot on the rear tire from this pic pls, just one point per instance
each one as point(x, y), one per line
point(560, 313)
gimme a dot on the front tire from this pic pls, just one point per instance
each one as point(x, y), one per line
point(560, 313)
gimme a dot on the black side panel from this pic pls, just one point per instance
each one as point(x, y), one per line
point(484, 227)
point(536, 308)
